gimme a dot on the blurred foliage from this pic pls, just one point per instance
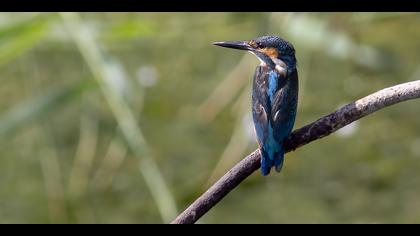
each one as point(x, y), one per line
point(65, 159)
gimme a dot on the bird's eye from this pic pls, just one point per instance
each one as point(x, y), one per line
point(254, 44)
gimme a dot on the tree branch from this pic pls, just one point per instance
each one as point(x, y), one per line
point(316, 130)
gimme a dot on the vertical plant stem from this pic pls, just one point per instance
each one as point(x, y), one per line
point(54, 188)
point(94, 57)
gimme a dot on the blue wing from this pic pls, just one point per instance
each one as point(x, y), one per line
point(261, 106)
point(284, 107)
point(274, 100)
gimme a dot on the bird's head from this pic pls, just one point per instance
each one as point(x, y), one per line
point(271, 50)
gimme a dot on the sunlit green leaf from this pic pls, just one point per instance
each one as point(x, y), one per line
point(15, 39)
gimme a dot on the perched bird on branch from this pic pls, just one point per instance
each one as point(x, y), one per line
point(274, 95)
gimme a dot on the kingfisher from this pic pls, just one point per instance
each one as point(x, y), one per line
point(274, 95)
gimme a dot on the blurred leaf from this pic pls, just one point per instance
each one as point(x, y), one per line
point(130, 29)
point(15, 39)
point(41, 105)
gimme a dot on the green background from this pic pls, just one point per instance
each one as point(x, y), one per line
point(69, 80)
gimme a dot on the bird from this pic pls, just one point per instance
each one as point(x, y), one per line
point(275, 91)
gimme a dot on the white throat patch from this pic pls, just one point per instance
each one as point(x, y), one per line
point(262, 62)
point(281, 67)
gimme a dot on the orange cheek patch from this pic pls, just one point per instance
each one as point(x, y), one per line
point(271, 52)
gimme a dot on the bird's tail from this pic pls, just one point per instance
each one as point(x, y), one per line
point(268, 161)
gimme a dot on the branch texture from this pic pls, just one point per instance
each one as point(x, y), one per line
point(316, 130)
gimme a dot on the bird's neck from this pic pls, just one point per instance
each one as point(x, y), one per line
point(290, 62)
point(283, 67)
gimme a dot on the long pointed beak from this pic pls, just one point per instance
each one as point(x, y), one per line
point(241, 45)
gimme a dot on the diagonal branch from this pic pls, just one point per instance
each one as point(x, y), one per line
point(316, 130)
